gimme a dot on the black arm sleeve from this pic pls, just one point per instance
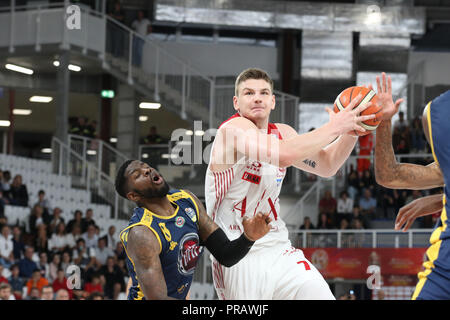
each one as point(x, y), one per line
point(225, 251)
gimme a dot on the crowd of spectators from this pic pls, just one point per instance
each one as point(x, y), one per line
point(82, 126)
point(54, 259)
point(362, 201)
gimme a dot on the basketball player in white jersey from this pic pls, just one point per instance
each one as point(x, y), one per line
point(248, 162)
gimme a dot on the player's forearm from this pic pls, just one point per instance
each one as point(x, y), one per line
point(306, 145)
point(338, 152)
point(391, 174)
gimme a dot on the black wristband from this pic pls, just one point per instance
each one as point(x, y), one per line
point(225, 251)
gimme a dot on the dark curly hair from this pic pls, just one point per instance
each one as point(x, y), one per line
point(121, 180)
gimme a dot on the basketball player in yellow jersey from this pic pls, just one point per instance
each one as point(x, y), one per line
point(434, 281)
point(248, 163)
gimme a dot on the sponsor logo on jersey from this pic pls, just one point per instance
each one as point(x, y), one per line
point(188, 254)
point(179, 222)
point(182, 288)
point(191, 213)
point(255, 166)
point(253, 178)
point(234, 227)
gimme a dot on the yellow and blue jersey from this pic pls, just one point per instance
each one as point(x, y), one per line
point(179, 244)
point(434, 281)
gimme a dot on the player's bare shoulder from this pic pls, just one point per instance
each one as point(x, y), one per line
point(224, 153)
point(286, 131)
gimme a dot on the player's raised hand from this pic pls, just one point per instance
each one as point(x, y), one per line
point(415, 209)
point(384, 94)
point(349, 119)
point(256, 227)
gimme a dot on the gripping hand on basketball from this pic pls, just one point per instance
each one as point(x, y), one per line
point(385, 97)
point(257, 226)
point(349, 119)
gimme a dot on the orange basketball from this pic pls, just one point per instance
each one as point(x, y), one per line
point(346, 96)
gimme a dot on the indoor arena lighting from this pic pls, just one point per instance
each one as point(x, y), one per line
point(20, 69)
point(113, 139)
point(4, 123)
point(189, 132)
point(42, 99)
point(149, 105)
point(199, 132)
point(73, 67)
point(46, 150)
point(22, 112)
point(143, 118)
point(91, 152)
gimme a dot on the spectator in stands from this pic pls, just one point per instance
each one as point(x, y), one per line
point(365, 149)
point(116, 38)
point(73, 237)
point(3, 201)
point(19, 192)
point(6, 186)
point(34, 295)
point(399, 198)
point(36, 219)
point(345, 237)
point(3, 279)
point(6, 292)
point(77, 220)
point(87, 220)
point(402, 147)
point(90, 237)
point(102, 252)
point(387, 203)
point(307, 225)
point(328, 206)
point(60, 283)
point(357, 215)
point(120, 251)
point(55, 220)
point(84, 257)
point(53, 267)
point(344, 207)
point(417, 137)
point(43, 265)
point(6, 247)
point(401, 122)
point(66, 260)
point(323, 221)
point(357, 224)
point(143, 27)
point(41, 240)
point(112, 275)
point(45, 204)
point(27, 265)
point(36, 281)
point(353, 185)
point(153, 137)
point(90, 130)
point(367, 181)
point(58, 241)
point(96, 296)
point(18, 244)
point(368, 204)
point(47, 293)
point(16, 282)
point(62, 294)
point(94, 285)
point(111, 239)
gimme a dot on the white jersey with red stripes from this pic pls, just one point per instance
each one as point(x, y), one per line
point(248, 187)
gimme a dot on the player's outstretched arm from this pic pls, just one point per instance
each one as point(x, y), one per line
point(388, 172)
point(247, 140)
point(329, 159)
point(216, 241)
point(417, 208)
point(143, 248)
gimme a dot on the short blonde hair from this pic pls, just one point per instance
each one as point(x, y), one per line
point(252, 73)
